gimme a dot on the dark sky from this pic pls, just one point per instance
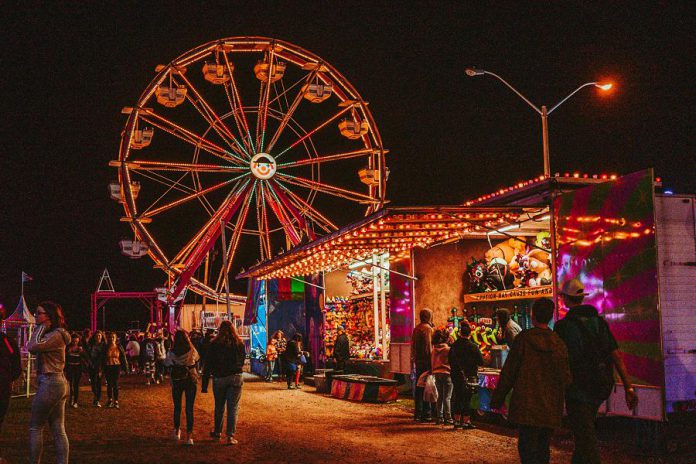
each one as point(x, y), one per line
point(66, 72)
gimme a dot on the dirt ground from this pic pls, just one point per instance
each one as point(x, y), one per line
point(275, 425)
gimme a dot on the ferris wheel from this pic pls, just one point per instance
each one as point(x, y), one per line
point(244, 143)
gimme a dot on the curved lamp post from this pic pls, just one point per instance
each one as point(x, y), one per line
point(543, 112)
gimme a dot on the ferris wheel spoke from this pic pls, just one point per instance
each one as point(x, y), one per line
point(282, 216)
point(262, 219)
point(213, 119)
point(328, 189)
point(188, 167)
point(212, 222)
point(291, 110)
point(166, 181)
point(286, 91)
point(180, 201)
point(327, 158)
point(313, 131)
point(289, 206)
point(325, 223)
point(263, 102)
point(236, 235)
point(240, 108)
point(187, 136)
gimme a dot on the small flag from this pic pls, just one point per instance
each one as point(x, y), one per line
point(26, 277)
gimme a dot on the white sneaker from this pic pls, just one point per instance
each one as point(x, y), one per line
point(189, 442)
point(74, 405)
point(232, 441)
point(177, 434)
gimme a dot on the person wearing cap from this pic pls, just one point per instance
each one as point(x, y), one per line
point(508, 327)
point(585, 332)
point(421, 351)
point(537, 372)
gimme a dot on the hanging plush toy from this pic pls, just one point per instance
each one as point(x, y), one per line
point(543, 240)
point(499, 276)
point(476, 273)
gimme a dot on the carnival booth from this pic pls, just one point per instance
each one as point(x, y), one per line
point(630, 246)
point(364, 280)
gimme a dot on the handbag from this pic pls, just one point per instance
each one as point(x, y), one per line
point(430, 394)
point(303, 359)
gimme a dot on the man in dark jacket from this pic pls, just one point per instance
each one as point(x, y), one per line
point(537, 372)
point(583, 332)
point(421, 349)
point(341, 349)
point(464, 359)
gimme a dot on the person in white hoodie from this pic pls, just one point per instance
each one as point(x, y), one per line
point(48, 343)
point(182, 359)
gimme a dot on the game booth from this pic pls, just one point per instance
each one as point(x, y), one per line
point(629, 244)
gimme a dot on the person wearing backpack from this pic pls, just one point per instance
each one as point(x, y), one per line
point(182, 359)
point(537, 372)
point(148, 354)
point(593, 354)
point(10, 370)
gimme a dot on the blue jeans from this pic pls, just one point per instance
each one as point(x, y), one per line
point(270, 366)
point(444, 396)
point(49, 406)
point(180, 388)
point(533, 444)
point(227, 391)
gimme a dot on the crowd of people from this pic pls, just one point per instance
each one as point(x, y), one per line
point(62, 357)
point(292, 358)
point(545, 371)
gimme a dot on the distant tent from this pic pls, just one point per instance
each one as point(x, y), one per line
point(20, 322)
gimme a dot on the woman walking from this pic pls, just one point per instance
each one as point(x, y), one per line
point(224, 363)
point(114, 361)
point(182, 359)
point(48, 343)
point(74, 359)
point(95, 359)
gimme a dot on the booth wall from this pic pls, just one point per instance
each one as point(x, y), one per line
point(440, 271)
point(336, 284)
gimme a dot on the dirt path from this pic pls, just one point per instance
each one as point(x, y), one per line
point(275, 425)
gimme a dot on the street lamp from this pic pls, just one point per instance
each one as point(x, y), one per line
point(543, 112)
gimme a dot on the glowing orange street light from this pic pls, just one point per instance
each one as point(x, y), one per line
point(543, 112)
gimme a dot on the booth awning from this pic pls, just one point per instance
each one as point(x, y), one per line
point(395, 230)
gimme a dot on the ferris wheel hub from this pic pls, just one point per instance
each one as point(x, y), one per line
point(263, 166)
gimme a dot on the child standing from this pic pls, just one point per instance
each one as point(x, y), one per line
point(271, 356)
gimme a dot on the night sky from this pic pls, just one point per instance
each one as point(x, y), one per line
point(67, 72)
